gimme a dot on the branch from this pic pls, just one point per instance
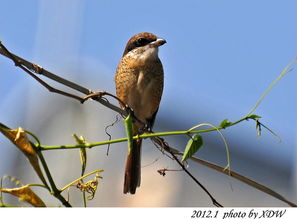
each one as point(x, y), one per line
point(143, 136)
point(55, 191)
point(164, 145)
point(240, 178)
point(33, 69)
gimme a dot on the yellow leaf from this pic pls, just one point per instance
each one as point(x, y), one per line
point(82, 153)
point(25, 194)
point(19, 138)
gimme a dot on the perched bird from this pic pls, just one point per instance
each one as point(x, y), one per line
point(139, 84)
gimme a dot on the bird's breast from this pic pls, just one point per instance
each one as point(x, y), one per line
point(140, 85)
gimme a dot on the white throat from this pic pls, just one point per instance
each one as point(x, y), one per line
point(144, 53)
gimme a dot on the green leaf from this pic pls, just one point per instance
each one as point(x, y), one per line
point(129, 132)
point(193, 145)
point(225, 123)
point(254, 116)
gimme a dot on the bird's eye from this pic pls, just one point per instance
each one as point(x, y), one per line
point(141, 42)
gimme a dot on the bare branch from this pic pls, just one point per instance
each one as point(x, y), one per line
point(33, 69)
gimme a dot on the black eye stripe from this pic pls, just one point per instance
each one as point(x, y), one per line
point(142, 41)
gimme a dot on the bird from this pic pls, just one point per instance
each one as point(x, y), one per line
point(139, 81)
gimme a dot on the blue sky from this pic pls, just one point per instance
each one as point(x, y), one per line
point(219, 58)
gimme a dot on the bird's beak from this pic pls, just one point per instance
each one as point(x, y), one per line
point(158, 42)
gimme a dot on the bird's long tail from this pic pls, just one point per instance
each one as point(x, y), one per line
point(133, 168)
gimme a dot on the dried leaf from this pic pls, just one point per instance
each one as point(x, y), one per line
point(89, 187)
point(83, 160)
point(25, 194)
point(19, 138)
point(82, 153)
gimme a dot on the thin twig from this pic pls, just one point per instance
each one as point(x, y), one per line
point(164, 145)
point(127, 109)
point(107, 133)
point(241, 178)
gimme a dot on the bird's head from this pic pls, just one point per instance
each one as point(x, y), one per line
point(143, 46)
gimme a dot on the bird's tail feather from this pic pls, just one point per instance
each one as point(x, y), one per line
point(133, 168)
